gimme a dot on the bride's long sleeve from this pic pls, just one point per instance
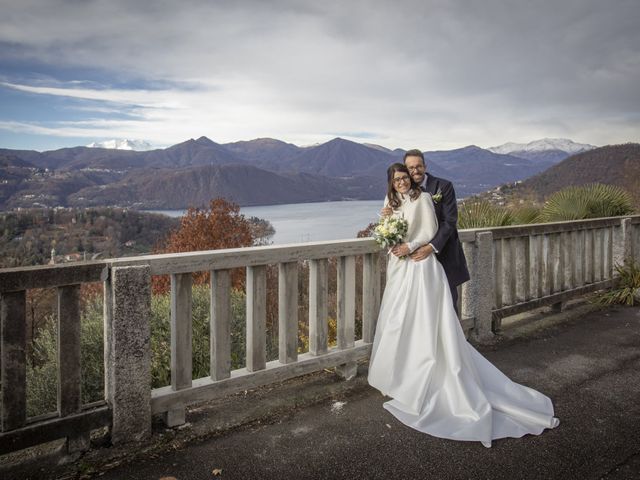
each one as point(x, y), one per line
point(423, 223)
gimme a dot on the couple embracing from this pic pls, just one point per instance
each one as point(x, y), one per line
point(438, 383)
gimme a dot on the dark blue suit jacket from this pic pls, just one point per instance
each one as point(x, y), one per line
point(446, 240)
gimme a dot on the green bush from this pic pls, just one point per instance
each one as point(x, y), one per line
point(481, 214)
point(526, 214)
point(92, 351)
point(572, 203)
point(627, 289)
point(42, 369)
point(42, 373)
point(161, 334)
point(42, 381)
point(587, 201)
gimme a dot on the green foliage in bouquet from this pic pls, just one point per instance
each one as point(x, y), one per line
point(390, 231)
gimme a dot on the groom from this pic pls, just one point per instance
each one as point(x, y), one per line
point(446, 244)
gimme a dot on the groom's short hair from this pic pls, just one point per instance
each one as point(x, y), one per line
point(413, 153)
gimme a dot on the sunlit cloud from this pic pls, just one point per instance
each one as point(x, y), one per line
point(143, 98)
point(429, 74)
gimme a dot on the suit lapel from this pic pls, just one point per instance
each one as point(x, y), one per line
point(432, 184)
point(432, 188)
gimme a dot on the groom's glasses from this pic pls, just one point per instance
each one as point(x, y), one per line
point(399, 180)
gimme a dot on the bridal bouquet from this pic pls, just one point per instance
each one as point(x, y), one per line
point(390, 231)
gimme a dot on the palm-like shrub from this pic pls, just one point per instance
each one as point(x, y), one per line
point(480, 214)
point(627, 288)
point(594, 200)
point(526, 214)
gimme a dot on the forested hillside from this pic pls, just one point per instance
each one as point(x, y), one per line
point(614, 165)
point(28, 236)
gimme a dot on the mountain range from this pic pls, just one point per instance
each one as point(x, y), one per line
point(614, 164)
point(255, 172)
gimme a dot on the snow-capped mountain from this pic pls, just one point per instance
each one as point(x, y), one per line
point(123, 144)
point(543, 145)
point(547, 151)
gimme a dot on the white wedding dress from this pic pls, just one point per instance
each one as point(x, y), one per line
point(438, 382)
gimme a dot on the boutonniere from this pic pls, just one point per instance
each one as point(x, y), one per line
point(437, 197)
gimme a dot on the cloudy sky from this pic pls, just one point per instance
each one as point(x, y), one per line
point(432, 74)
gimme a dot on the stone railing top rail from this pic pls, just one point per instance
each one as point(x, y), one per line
point(509, 231)
point(49, 276)
point(248, 256)
point(21, 278)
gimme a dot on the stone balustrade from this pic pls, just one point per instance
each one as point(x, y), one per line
point(513, 269)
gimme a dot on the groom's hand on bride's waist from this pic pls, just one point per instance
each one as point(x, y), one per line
point(421, 253)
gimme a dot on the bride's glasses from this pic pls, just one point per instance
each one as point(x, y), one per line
point(399, 180)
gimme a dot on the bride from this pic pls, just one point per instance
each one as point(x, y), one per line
point(438, 382)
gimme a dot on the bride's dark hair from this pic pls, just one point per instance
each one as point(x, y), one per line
point(392, 194)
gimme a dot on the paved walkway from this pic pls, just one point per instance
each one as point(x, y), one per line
point(589, 366)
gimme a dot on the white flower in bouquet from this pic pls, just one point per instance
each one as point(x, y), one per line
point(390, 231)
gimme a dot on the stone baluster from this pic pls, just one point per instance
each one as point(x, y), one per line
point(318, 317)
point(220, 325)
point(607, 241)
point(13, 332)
point(346, 311)
point(370, 295)
point(508, 272)
point(69, 374)
point(598, 254)
point(589, 256)
point(498, 277)
point(578, 257)
point(181, 342)
point(256, 317)
point(288, 312)
point(568, 261)
point(522, 268)
point(535, 266)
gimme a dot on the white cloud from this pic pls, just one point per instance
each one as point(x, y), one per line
point(143, 98)
point(434, 74)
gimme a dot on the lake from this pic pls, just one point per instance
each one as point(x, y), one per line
point(312, 222)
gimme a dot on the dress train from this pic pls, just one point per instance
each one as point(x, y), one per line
point(438, 382)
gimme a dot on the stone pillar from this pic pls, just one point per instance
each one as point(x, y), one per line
point(466, 299)
point(622, 237)
point(347, 371)
point(478, 296)
point(128, 352)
